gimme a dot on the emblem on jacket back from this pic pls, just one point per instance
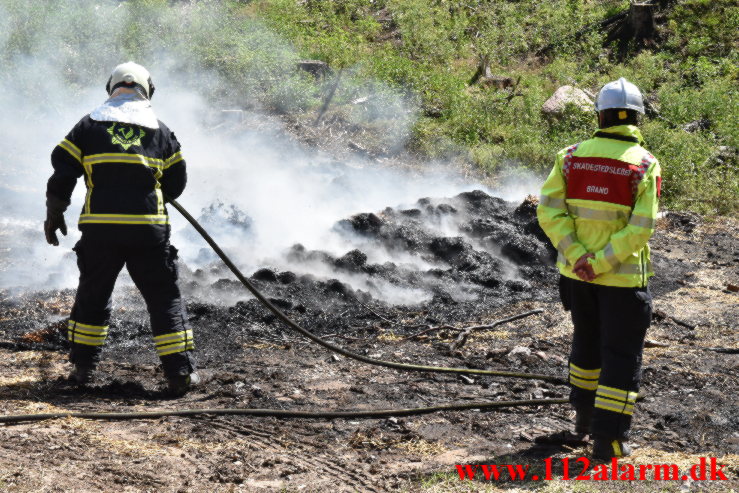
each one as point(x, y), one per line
point(125, 135)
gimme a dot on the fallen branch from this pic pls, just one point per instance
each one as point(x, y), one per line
point(469, 330)
point(432, 329)
point(462, 337)
point(378, 315)
point(664, 316)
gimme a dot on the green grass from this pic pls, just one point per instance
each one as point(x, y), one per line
point(431, 49)
point(414, 59)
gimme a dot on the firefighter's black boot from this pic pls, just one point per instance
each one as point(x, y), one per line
point(182, 384)
point(81, 374)
point(608, 448)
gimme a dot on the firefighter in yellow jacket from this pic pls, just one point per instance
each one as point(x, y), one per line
point(598, 207)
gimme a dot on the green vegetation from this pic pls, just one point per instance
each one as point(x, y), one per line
point(412, 61)
point(433, 48)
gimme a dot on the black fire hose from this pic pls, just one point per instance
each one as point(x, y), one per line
point(282, 413)
point(372, 361)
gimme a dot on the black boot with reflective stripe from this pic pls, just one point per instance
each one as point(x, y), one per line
point(607, 448)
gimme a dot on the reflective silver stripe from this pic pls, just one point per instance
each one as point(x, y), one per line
point(616, 407)
point(561, 259)
point(612, 393)
point(583, 384)
point(123, 158)
point(174, 342)
point(632, 268)
point(585, 379)
point(629, 269)
point(182, 335)
point(173, 159)
point(89, 332)
point(173, 336)
point(588, 213)
point(76, 337)
point(617, 394)
point(175, 348)
point(610, 256)
point(72, 149)
point(548, 201)
point(566, 242)
point(643, 221)
point(124, 219)
point(89, 335)
point(581, 372)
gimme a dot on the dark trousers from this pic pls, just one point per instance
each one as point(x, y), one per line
point(610, 324)
point(153, 269)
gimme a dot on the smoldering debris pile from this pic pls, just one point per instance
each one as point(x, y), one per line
point(470, 249)
point(441, 261)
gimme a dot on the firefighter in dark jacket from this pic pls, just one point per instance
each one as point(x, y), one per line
point(130, 161)
point(599, 208)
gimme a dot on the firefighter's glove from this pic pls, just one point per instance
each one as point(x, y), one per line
point(54, 220)
point(583, 269)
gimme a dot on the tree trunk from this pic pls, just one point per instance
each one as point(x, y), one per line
point(637, 29)
point(641, 20)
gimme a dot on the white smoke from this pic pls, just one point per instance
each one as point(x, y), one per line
point(56, 61)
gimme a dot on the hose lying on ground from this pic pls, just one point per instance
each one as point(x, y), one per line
point(388, 364)
point(282, 413)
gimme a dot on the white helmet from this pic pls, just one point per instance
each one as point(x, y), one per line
point(131, 75)
point(619, 94)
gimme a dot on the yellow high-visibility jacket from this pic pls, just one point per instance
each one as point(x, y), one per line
point(602, 197)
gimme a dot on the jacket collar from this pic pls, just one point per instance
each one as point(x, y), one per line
point(131, 108)
point(625, 131)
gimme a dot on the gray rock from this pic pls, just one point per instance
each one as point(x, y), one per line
point(724, 156)
point(697, 125)
point(317, 68)
point(565, 95)
point(521, 354)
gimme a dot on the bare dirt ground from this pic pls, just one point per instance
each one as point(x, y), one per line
point(690, 370)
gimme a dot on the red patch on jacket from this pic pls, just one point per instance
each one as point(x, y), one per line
point(601, 179)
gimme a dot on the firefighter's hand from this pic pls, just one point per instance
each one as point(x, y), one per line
point(583, 269)
point(54, 221)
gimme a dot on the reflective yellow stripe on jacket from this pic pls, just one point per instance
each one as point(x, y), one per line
point(87, 217)
point(72, 149)
point(173, 159)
